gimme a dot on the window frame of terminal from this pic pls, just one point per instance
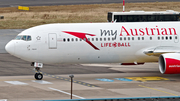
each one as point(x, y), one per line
point(23, 37)
point(143, 16)
point(147, 18)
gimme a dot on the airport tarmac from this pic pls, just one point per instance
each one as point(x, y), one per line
point(90, 81)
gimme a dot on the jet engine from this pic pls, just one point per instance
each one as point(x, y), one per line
point(169, 63)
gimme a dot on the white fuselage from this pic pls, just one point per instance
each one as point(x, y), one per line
point(95, 42)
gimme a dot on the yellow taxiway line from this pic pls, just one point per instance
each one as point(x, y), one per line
point(144, 79)
point(158, 90)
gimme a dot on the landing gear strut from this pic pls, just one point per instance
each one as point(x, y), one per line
point(38, 75)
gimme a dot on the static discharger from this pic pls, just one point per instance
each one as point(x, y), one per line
point(23, 8)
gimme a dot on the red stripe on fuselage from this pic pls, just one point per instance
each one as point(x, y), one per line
point(82, 36)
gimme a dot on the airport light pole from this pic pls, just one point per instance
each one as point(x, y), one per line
point(123, 5)
point(71, 76)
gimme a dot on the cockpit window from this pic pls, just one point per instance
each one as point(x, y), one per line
point(18, 37)
point(23, 37)
point(28, 38)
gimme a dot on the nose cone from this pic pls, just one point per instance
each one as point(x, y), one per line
point(10, 47)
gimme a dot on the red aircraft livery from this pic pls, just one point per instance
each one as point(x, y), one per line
point(147, 31)
point(129, 43)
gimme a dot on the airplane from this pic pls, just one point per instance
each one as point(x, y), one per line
point(130, 43)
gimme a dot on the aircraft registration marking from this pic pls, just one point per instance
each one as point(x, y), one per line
point(143, 79)
point(16, 82)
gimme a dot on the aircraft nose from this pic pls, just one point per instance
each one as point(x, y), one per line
point(10, 47)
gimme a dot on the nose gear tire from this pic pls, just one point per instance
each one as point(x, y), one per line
point(38, 76)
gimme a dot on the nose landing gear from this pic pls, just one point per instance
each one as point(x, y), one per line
point(38, 75)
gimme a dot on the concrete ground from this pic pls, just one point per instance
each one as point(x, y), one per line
point(91, 81)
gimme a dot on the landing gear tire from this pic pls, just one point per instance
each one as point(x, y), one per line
point(38, 76)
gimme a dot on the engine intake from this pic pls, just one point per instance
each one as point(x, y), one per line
point(169, 63)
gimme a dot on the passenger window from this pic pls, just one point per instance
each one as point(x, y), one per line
point(138, 38)
point(104, 39)
point(120, 38)
point(132, 38)
point(68, 40)
point(150, 38)
point(128, 38)
point(108, 39)
point(64, 40)
point(166, 38)
point(72, 39)
point(100, 39)
point(162, 38)
point(158, 38)
point(170, 38)
point(76, 39)
point(92, 39)
point(84, 39)
point(88, 39)
point(96, 39)
point(124, 38)
point(142, 38)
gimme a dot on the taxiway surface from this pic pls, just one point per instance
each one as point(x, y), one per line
point(91, 81)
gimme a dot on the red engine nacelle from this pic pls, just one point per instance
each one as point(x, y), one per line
point(169, 63)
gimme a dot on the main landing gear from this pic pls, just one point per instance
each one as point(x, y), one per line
point(38, 75)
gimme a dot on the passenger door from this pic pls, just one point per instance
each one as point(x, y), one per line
point(176, 38)
point(52, 41)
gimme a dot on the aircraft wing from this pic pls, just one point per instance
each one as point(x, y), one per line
point(157, 51)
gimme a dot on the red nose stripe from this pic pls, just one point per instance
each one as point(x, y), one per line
point(82, 36)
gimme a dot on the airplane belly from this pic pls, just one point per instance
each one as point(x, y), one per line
point(90, 55)
point(82, 53)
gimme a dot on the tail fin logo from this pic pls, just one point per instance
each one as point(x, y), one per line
point(83, 37)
